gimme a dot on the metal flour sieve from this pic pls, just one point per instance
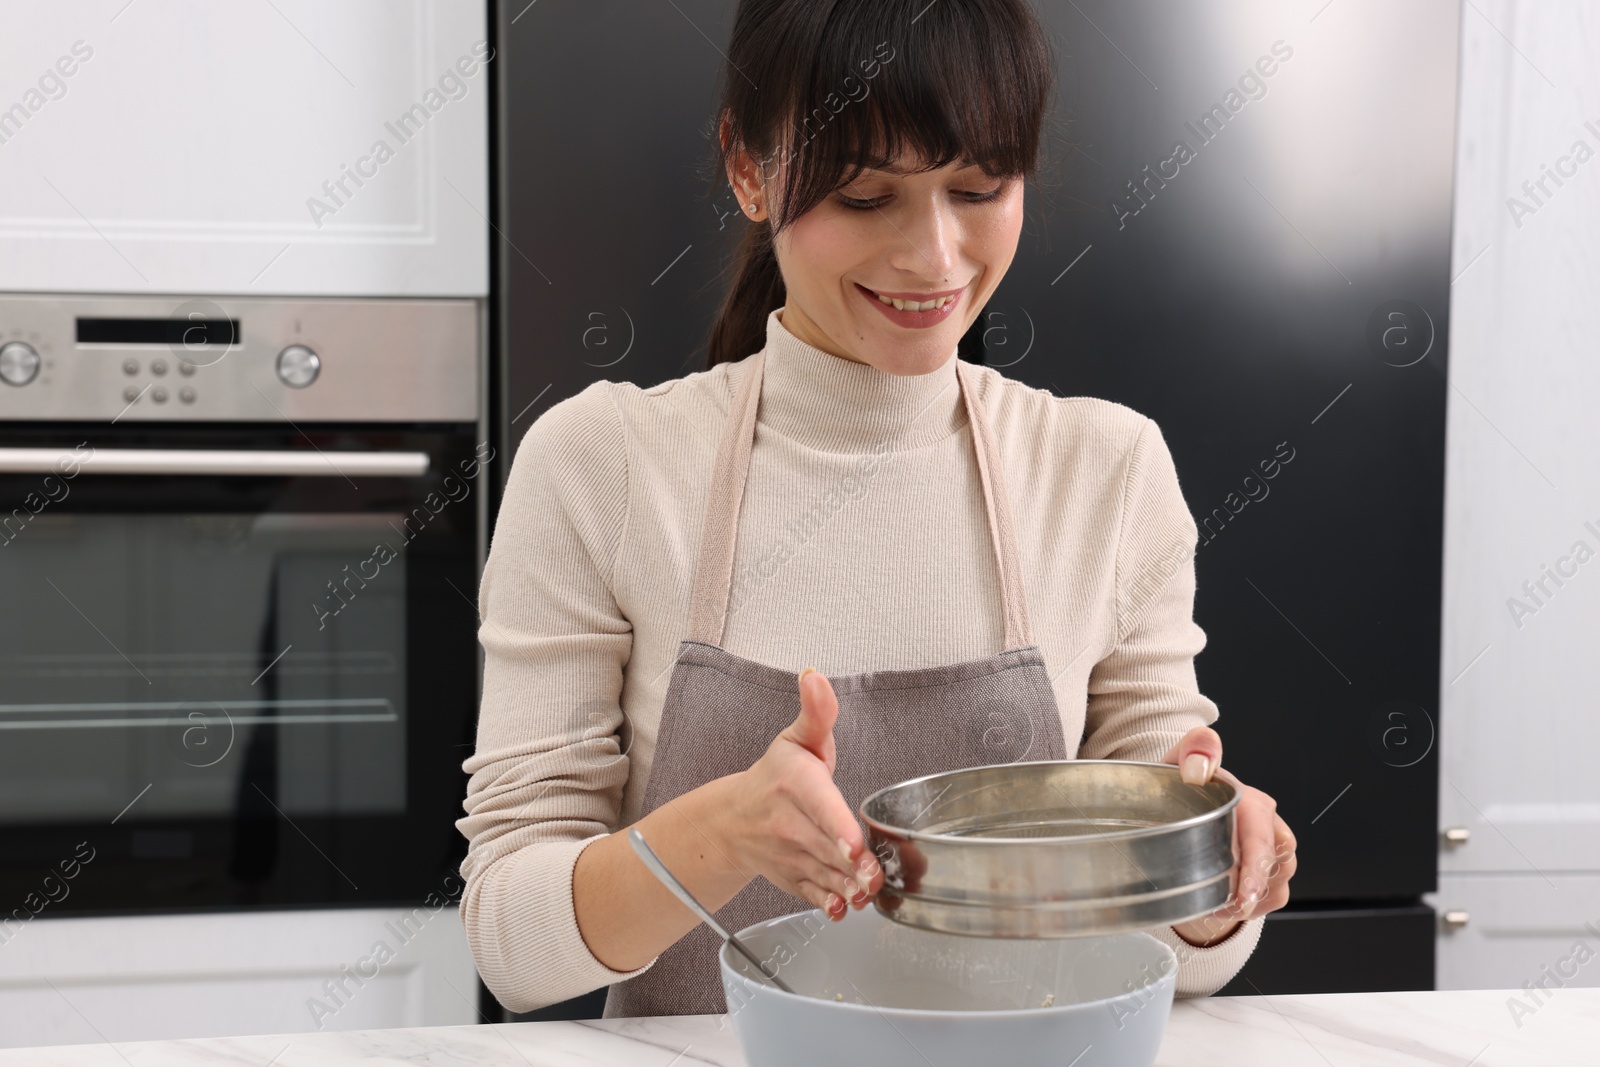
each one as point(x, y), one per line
point(1057, 848)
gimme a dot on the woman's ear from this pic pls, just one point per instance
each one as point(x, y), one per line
point(746, 182)
point(744, 175)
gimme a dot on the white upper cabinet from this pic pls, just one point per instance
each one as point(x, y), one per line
point(280, 147)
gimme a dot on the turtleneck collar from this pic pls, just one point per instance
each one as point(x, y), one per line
point(835, 404)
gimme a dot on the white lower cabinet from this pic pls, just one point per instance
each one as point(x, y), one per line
point(80, 981)
point(1518, 932)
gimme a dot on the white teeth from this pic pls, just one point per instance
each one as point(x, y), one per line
point(913, 305)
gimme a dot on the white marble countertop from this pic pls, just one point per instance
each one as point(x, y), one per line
point(1454, 1029)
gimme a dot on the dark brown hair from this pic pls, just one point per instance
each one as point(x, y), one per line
point(820, 90)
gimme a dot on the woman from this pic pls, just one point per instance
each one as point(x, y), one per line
point(978, 571)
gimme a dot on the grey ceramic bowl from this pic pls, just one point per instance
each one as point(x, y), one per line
point(872, 991)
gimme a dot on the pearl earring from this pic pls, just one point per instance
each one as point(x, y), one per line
point(751, 209)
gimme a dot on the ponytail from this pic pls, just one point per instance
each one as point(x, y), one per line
point(757, 289)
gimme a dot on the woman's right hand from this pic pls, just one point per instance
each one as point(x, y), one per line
point(788, 820)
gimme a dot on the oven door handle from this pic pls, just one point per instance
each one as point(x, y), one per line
point(247, 462)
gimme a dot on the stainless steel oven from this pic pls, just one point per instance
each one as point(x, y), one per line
point(238, 550)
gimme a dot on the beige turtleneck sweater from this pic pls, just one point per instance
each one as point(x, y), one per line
point(862, 545)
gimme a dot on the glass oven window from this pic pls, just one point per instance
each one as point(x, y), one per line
point(204, 663)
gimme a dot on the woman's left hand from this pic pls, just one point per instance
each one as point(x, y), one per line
point(1264, 859)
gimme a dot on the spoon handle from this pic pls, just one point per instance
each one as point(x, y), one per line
point(668, 879)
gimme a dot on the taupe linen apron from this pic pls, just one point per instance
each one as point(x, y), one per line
point(721, 711)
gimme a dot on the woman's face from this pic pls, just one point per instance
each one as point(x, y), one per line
point(950, 232)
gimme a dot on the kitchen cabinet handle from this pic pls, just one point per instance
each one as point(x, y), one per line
point(1455, 920)
point(1457, 835)
point(200, 461)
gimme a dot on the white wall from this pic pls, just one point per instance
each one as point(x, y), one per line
point(1520, 732)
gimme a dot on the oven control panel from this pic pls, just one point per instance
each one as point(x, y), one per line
point(128, 359)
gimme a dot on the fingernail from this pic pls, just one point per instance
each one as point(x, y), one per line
point(867, 867)
point(804, 672)
point(1196, 769)
point(833, 903)
point(844, 849)
point(851, 890)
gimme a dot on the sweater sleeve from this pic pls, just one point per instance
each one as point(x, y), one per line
point(1143, 696)
point(548, 770)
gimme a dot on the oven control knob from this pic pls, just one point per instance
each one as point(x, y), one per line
point(19, 363)
point(298, 366)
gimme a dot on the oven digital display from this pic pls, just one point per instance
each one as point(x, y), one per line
point(189, 333)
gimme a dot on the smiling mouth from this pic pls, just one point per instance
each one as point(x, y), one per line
point(930, 303)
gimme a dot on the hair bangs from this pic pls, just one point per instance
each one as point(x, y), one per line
point(881, 87)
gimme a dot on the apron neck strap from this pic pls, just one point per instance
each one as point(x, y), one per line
point(713, 572)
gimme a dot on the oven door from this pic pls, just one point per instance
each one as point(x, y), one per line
point(235, 668)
